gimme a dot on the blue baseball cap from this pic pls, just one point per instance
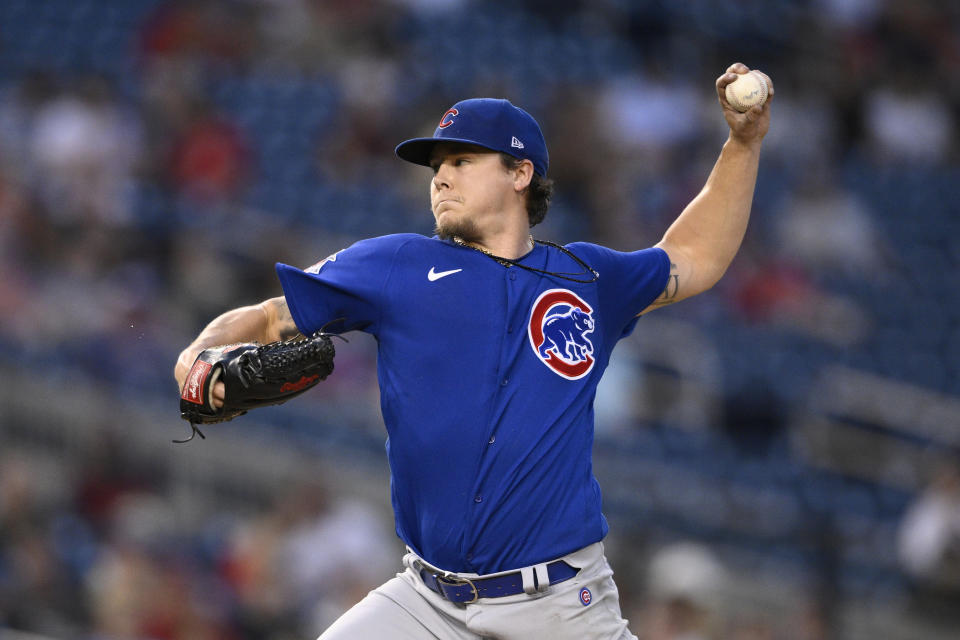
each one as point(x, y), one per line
point(486, 122)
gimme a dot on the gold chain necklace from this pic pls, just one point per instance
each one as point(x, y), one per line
point(507, 262)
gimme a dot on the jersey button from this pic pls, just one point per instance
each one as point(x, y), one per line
point(513, 276)
point(478, 498)
point(492, 439)
point(505, 382)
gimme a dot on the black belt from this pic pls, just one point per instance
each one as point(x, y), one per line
point(466, 590)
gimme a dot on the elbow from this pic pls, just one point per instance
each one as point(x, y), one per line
point(716, 273)
point(699, 270)
point(713, 273)
point(704, 277)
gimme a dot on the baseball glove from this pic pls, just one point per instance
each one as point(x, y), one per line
point(254, 376)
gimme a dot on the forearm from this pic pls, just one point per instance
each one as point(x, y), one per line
point(265, 322)
point(703, 240)
point(710, 229)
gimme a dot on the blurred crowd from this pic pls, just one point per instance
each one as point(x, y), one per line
point(96, 548)
point(157, 157)
point(143, 194)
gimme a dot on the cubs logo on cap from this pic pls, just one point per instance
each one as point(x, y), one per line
point(559, 329)
point(447, 118)
point(487, 122)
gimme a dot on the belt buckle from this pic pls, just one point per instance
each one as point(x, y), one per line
point(453, 581)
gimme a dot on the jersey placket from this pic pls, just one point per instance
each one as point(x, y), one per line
point(506, 329)
point(511, 295)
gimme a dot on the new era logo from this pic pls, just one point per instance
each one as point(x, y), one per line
point(516, 143)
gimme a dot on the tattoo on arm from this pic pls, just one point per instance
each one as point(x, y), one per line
point(286, 327)
point(673, 287)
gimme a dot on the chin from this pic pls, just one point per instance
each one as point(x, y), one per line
point(449, 226)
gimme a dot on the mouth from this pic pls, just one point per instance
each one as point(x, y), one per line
point(442, 205)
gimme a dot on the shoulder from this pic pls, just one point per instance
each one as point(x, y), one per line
point(391, 241)
point(379, 248)
point(397, 242)
point(590, 248)
point(387, 256)
point(646, 266)
point(650, 255)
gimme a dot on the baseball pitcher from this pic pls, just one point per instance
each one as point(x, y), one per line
point(490, 348)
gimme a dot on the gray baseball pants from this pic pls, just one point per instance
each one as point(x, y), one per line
point(405, 609)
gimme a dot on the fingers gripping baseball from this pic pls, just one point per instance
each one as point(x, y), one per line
point(751, 124)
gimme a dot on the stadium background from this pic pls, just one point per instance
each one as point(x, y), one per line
point(766, 450)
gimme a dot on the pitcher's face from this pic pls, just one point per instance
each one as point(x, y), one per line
point(469, 191)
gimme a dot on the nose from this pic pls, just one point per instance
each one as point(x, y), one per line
point(441, 180)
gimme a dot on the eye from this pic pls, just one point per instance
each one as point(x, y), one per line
point(460, 161)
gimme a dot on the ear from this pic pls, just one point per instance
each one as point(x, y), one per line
point(522, 175)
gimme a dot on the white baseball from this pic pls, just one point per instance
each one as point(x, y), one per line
point(748, 90)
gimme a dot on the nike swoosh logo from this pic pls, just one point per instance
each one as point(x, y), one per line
point(433, 276)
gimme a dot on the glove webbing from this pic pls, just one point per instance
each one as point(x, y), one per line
point(276, 363)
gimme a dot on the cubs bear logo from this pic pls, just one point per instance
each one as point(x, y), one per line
point(560, 322)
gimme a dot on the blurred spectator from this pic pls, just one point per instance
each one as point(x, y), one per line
point(309, 560)
point(336, 36)
point(826, 229)
point(171, 89)
point(642, 147)
point(85, 146)
point(136, 595)
point(22, 247)
point(929, 542)
point(907, 121)
point(806, 622)
point(650, 112)
point(850, 14)
point(753, 629)
point(108, 475)
point(333, 558)
point(360, 151)
point(20, 103)
point(35, 588)
point(204, 31)
point(808, 133)
point(667, 372)
point(778, 292)
point(685, 584)
point(210, 158)
point(250, 567)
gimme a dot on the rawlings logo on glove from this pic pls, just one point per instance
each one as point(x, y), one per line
point(253, 376)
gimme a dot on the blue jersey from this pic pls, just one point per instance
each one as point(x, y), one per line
point(487, 377)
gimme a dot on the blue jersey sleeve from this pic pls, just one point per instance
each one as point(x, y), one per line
point(348, 285)
point(629, 281)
